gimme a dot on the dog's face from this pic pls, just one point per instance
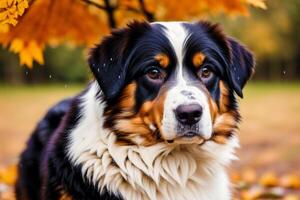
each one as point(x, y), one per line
point(172, 82)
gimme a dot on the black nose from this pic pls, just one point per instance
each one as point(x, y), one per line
point(188, 114)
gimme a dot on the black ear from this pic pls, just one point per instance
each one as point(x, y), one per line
point(241, 67)
point(107, 59)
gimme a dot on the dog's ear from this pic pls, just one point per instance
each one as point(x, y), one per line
point(107, 59)
point(241, 67)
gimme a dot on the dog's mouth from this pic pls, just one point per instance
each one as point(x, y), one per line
point(190, 134)
point(188, 137)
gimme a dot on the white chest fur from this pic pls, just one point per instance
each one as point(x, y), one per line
point(159, 172)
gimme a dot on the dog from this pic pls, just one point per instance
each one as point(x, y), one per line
point(158, 122)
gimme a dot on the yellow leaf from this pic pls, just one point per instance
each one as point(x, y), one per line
point(10, 2)
point(3, 4)
point(56, 21)
point(36, 52)
point(290, 181)
point(258, 3)
point(252, 194)
point(11, 10)
point(11, 21)
point(3, 15)
point(8, 175)
point(269, 180)
point(22, 6)
point(16, 45)
point(28, 52)
point(4, 28)
point(26, 58)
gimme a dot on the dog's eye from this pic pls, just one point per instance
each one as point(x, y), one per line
point(205, 73)
point(155, 74)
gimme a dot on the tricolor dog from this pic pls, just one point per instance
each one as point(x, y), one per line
point(158, 122)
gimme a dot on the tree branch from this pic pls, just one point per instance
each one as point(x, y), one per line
point(110, 13)
point(109, 9)
point(149, 16)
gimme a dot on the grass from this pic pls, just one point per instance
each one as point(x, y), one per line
point(270, 131)
point(21, 107)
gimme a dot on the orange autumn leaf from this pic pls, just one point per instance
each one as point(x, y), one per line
point(28, 51)
point(57, 21)
point(8, 175)
point(81, 22)
point(290, 181)
point(269, 180)
point(252, 194)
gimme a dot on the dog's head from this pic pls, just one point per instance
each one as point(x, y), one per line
point(173, 82)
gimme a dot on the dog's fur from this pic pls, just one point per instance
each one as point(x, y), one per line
point(122, 138)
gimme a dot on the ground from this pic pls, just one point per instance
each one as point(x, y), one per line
point(269, 132)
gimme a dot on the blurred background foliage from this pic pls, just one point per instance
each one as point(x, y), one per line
point(272, 34)
point(64, 63)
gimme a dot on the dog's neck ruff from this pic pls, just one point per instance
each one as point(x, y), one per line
point(157, 172)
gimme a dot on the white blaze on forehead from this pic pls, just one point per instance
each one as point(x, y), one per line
point(177, 35)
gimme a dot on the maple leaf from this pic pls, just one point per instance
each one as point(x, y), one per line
point(28, 52)
point(57, 22)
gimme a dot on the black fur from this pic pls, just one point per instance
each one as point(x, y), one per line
point(242, 66)
point(29, 166)
point(108, 60)
point(45, 171)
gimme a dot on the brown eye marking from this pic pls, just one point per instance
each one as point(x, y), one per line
point(198, 59)
point(162, 59)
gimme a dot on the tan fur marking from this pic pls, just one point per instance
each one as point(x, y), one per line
point(220, 139)
point(140, 128)
point(224, 125)
point(65, 196)
point(213, 109)
point(134, 125)
point(225, 120)
point(163, 60)
point(224, 99)
point(128, 100)
point(198, 59)
point(158, 109)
